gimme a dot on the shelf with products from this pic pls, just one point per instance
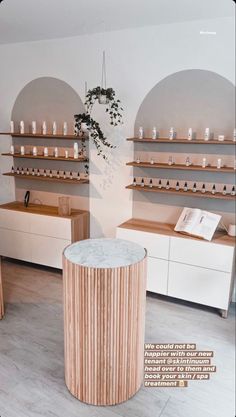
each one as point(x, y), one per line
point(184, 141)
point(181, 192)
point(192, 167)
point(50, 157)
point(47, 136)
point(53, 178)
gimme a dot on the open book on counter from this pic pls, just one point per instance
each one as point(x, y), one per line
point(198, 223)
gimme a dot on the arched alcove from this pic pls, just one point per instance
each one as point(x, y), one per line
point(48, 99)
point(191, 98)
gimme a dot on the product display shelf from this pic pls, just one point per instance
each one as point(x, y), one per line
point(181, 167)
point(184, 141)
point(49, 179)
point(41, 136)
point(49, 158)
point(189, 193)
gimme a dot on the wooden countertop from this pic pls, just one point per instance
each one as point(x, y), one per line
point(40, 209)
point(220, 237)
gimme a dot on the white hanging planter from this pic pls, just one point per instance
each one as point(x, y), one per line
point(84, 127)
point(103, 99)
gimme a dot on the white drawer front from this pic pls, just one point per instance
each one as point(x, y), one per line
point(50, 226)
point(47, 250)
point(157, 245)
point(14, 244)
point(157, 275)
point(199, 285)
point(14, 220)
point(199, 253)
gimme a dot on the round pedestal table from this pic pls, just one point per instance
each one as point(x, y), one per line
point(104, 286)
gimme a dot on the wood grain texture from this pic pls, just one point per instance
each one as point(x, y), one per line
point(48, 136)
point(159, 165)
point(104, 316)
point(183, 140)
point(42, 209)
point(1, 293)
point(49, 158)
point(42, 178)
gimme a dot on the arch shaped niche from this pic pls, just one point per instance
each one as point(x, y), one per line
point(49, 99)
point(191, 98)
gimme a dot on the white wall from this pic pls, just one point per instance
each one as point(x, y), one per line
point(136, 60)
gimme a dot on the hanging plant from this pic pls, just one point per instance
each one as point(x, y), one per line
point(84, 124)
point(105, 96)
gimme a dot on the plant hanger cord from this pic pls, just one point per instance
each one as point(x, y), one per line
point(104, 76)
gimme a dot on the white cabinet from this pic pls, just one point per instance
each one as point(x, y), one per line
point(37, 234)
point(184, 267)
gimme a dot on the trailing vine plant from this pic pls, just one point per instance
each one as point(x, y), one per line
point(113, 105)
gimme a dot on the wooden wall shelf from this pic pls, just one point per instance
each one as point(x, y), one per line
point(183, 141)
point(42, 178)
point(181, 167)
point(49, 158)
point(49, 136)
point(189, 193)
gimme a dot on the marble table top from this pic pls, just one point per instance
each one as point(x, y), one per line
point(104, 253)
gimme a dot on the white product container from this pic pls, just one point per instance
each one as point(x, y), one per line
point(190, 133)
point(45, 151)
point(65, 128)
point(22, 150)
point(12, 150)
point(207, 134)
point(34, 127)
point(54, 128)
point(22, 127)
point(12, 128)
point(35, 152)
point(76, 150)
point(44, 128)
point(154, 133)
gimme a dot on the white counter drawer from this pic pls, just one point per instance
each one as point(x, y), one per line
point(14, 244)
point(200, 253)
point(14, 220)
point(157, 245)
point(47, 250)
point(50, 226)
point(157, 275)
point(199, 285)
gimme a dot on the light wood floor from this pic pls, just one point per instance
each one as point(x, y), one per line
point(31, 354)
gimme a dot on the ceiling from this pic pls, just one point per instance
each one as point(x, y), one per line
point(30, 20)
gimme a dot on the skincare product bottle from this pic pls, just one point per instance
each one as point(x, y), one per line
point(134, 182)
point(22, 150)
point(170, 160)
point(150, 183)
point(65, 128)
point(233, 190)
point(33, 127)
point(194, 187)
point(138, 160)
point(12, 128)
point(76, 150)
point(22, 171)
point(64, 174)
point(151, 161)
point(45, 151)
point(159, 184)
point(78, 176)
point(142, 182)
point(221, 138)
point(204, 162)
point(185, 186)
point(154, 133)
point(38, 173)
point(213, 191)
point(12, 149)
point(224, 192)
point(27, 171)
point(56, 152)
point(190, 133)
point(50, 173)
point(140, 133)
point(58, 174)
point(177, 186)
point(234, 135)
point(66, 154)
point(219, 161)
point(187, 162)
point(33, 173)
point(35, 152)
point(207, 134)
point(44, 128)
point(17, 170)
point(167, 185)
point(12, 170)
point(54, 128)
point(172, 133)
point(71, 176)
point(22, 127)
point(44, 173)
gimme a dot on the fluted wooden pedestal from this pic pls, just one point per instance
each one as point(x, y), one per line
point(104, 313)
point(1, 293)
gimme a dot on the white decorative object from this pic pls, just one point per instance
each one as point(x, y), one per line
point(54, 128)
point(207, 134)
point(140, 133)
point(187, 162)
point(138, 160)
point(35, 152)
point(219, 163)
point(65, 128)
point(56, 152)
point(12, 128)
point(151, 161)
point(22, 127)
point(172, 133)
point(190, 133)
point(12, 150)
point(66, 154)
point(170, 160)
point(44, 128)
point(34, 127)
point(204, 163)
point(22, 150)
point(221, 138)
point(234, 135)
point(76, 150)
point(84, 127)
point(154, 133)
point(45, 151)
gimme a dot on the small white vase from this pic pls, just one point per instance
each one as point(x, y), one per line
point(103, 99)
